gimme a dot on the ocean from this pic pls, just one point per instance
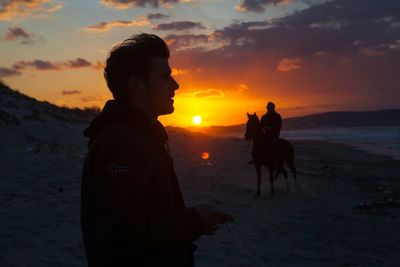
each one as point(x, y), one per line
point(383, 140)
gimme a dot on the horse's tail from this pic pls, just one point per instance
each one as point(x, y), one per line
point(289, 156)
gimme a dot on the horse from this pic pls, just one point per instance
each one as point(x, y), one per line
point(269, 154)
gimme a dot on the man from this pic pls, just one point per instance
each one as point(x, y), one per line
point(271, 123)
point(133, 212)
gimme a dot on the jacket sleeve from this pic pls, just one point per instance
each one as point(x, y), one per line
point(121, 190)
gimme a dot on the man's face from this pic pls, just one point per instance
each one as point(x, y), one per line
point(161, 87)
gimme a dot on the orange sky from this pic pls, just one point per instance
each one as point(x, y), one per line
point(229, 58)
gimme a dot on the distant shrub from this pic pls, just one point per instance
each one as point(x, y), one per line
point(94, 111)
point(10, 104)
point(35, 115)
point(7, 119)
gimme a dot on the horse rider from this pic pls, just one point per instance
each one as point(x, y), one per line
point(271, 124)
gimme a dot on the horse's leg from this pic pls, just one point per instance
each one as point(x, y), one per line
point(258, 170)
point(277, 173)
point(280, 169)
point(271, 178)
point(292, 167)
point(290, 162)
point(286, 179)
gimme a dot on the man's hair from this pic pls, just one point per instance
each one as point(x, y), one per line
point(131, 58)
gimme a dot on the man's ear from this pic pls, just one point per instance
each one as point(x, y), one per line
point(136, 87)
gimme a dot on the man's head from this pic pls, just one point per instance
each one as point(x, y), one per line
point(270, 107)
point(137, 72)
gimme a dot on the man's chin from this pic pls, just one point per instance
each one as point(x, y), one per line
point(167, 111)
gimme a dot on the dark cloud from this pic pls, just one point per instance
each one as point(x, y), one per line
point(7, 72)
point(123, 4)
point(77, 63)
point(332, 27)
point(70, 92)
point(14, 33)
point(257, 5)
point(289, 64)
point(19, 34)
point(155, 16)
point(179, 41)
point(37, 64)
point(58, 65)
point(178, 26)
point(339, 47)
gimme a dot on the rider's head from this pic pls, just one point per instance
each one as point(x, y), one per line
point(270, 107)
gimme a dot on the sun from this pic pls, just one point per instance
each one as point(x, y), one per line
point(196, 119)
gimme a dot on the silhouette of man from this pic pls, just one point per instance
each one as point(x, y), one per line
point(271, 123)
point(133, 213)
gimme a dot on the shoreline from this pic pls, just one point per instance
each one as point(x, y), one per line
point(379, 151)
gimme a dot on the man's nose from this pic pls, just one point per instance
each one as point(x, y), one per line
point(174, 85)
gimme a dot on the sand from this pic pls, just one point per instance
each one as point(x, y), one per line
point(344, 209)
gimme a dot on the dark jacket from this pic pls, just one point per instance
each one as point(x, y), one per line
point(271, 123)
point(133, 213)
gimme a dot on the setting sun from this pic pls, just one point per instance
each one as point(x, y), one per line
point(196, 119)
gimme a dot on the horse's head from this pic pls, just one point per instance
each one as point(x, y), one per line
point(252, 126)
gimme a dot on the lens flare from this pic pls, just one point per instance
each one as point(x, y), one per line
point(205, 155)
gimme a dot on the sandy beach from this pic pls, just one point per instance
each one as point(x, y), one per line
point(344, 209)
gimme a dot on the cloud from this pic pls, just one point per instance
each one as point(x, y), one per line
point(37, 64)
point(331, 26)
point(205, 93)
point(381, 49)
point(322, 53)
point(258, 5)
point(70, 92)
point(324, 61)
point(289, 64)
point(19, 34)
point(242, 87)
point(7, 72)
point(10, 9)
point(139, 22)
point(46, 65)
point(185, 41)
point(177, 72)
point(156, 16)
point(124, 4)
point(178, 26)
point(93, 99)
point(98, 65)
point(106, 26)
point(77, 63)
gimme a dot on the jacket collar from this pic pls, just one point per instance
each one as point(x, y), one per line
point(117, 112)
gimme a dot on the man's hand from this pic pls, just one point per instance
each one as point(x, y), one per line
point(211, 218)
